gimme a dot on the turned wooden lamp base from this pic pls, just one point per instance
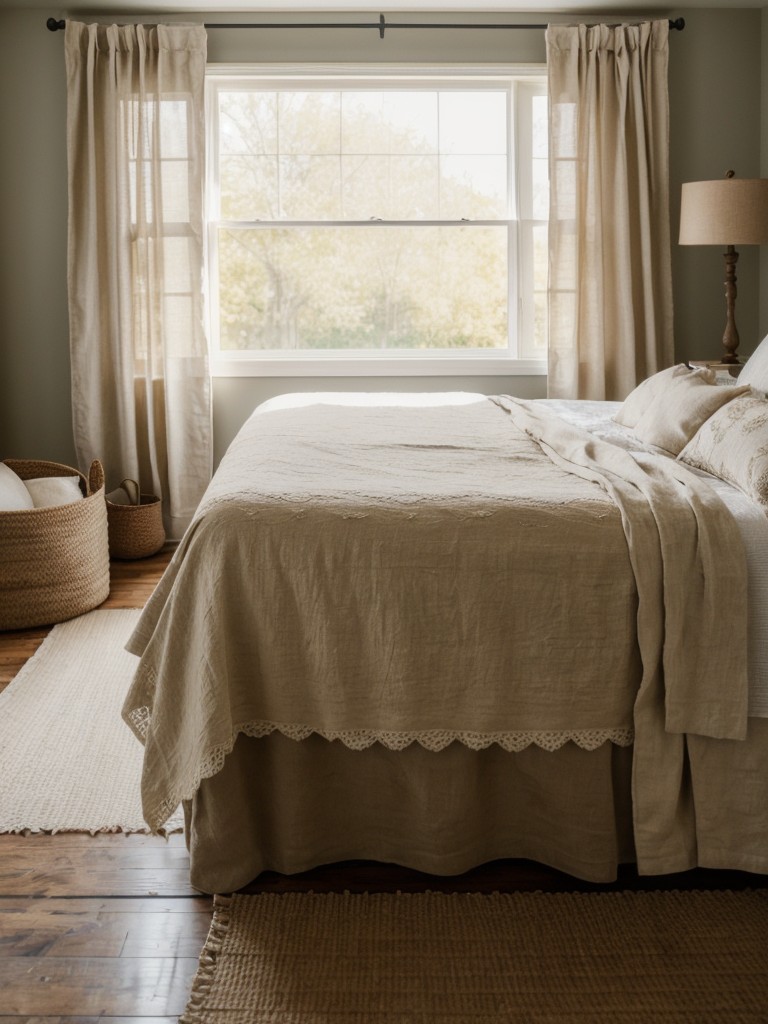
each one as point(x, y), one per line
point(730, 211)
point(731, 335)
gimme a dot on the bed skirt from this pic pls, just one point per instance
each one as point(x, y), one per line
point(289, 806)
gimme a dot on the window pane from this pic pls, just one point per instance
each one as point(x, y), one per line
point(172, 138)
point(540, 126)
point(540, 186)
point(309, 122)
point(248, 187)
point(473, 122)
point(363, 151)
point(390, 187)
point(540, 280)
point(399, 122)
point(539, 151)
point(474, 187)
point(310, 187)
point(247, 123)
point(367, 287)
point(174, 191)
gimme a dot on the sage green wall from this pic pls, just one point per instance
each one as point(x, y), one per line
point(715, 102)
point(763, 330)
point(35, 408)
point(715, 125)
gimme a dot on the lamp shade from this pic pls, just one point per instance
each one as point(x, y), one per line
point(729, 211)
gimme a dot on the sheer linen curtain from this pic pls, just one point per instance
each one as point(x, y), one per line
point(136, 151)
point(610, 275)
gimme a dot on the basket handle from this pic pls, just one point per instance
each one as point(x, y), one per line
point(131, 488)
point(95, 477)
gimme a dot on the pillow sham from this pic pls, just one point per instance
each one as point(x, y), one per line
point(733, 445)
point(755, 370)
point(54, 490)
point(14, 496)
point(637, 401)
point(674, 415)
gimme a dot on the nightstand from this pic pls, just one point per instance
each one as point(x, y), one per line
point(725, 373)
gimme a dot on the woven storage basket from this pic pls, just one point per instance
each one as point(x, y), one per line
point(54, 561)
point(135, 531)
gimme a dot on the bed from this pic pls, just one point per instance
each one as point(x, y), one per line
point(438, 630)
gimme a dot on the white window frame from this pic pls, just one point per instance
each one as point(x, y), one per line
point(271, 363)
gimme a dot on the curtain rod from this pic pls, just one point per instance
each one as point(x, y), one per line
point(382, 25)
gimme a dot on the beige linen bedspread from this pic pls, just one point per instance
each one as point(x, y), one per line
point(477, 571)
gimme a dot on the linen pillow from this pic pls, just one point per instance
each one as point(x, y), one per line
point(733, 444)
point(637, 401)
point(54, 490)
point(674, 416)
point(755, 370)
point(14, 496)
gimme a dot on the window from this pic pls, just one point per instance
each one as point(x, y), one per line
point(164, 243)
point(394, 223)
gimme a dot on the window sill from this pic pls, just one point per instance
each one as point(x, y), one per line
point(240, 365)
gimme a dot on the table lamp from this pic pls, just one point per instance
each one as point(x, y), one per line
point(730, 211)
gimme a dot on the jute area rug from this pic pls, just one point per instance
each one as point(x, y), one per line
point(639, 957)
point(68, 762)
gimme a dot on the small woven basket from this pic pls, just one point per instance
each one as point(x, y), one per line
point(54, 561)
point(135, 531)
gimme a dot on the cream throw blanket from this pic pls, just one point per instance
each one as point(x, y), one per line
point(481, 572)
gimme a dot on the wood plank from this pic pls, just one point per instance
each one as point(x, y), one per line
point(52, 928)
point(49, 881)
point(101, 850)
point(89, 1020)
point(197, 904)
point(116, 864)
point(132, 583)
point(101, 841)
point(108, 986)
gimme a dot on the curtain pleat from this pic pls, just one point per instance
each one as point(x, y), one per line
point(136, 155)
point(610, 274)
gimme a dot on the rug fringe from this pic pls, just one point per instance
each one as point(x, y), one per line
point(206, 971)
point(27, 830)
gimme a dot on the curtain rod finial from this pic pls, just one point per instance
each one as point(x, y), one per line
point(53, 25)
point(677, 23)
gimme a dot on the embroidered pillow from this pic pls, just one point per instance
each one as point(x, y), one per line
point(637, 401)
point(733, 444)
point(14, 496)
point(755, 370)
point(674, 415)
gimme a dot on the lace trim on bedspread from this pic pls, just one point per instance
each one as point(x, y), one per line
point(360, 739)
point(438, 739)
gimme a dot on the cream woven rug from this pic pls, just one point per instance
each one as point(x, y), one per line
point(68, 762)
point(431, 958)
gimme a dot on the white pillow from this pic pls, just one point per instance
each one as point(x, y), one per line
point(755, 370)
point(733, 445)
point(676, 413)
point(54, 490)
point(637, 401)
point(14, 496)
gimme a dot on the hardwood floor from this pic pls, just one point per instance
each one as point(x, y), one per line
point(109, 926)
point(96, 926)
